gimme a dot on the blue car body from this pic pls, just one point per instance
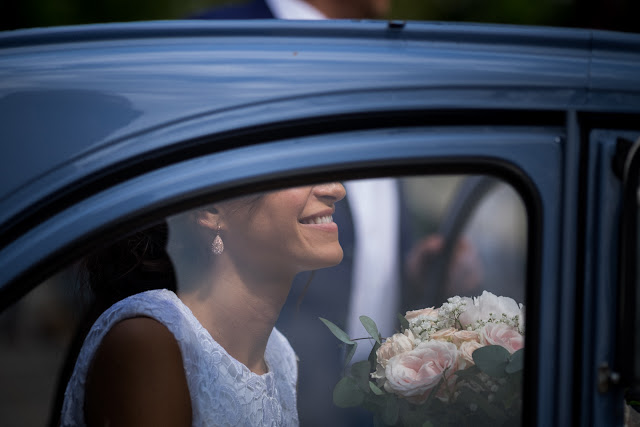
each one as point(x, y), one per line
point(104, 126)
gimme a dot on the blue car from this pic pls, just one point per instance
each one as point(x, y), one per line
point(510, 152)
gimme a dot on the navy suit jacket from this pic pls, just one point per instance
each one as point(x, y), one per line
point(256, 9)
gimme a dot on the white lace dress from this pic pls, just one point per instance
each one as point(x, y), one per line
point(223, 391)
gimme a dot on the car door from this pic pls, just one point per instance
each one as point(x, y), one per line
point(524, 157)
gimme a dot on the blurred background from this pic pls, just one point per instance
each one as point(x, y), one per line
point(622, 15)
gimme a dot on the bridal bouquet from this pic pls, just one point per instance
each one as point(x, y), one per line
point(459, 364)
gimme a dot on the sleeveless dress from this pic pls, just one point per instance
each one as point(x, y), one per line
point(223, 391)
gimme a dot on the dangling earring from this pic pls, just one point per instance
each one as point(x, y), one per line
point(217, 247)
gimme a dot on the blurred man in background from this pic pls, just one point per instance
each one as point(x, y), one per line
point(301, 9)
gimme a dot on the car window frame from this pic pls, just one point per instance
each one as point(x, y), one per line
point(434, 149)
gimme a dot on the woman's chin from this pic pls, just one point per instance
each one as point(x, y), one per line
point(328, 259)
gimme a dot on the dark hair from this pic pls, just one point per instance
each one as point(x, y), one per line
point(132, 265)
point(135, 264)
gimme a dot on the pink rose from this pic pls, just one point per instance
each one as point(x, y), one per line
point(415, 373)
point(466, 352)
point(394, 345)
point(427, 312)
point(502, 335)
point(460, 337)
point(444, 334)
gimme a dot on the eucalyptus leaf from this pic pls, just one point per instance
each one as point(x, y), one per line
point(347, 393)
point(375, 389)
point(471, 371)
point(390, 411)
point(350, 353)
point(339, 333)
point(373, 356)
point(516, 362)
point(492, 360)
point(404, 323)
point(371, 327)
point(360, 372)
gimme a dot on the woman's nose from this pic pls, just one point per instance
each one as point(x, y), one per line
point(332, 190)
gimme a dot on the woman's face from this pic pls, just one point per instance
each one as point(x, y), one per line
point(291, 230)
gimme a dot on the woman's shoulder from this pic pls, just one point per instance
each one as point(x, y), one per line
point(160, 304)
point(137, 369)
point(134, 335)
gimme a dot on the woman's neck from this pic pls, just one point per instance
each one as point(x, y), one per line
point(239, 310)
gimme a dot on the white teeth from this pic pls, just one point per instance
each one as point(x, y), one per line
point(319, 220)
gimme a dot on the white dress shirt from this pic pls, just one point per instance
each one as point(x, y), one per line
point(375, 288)
point(293, 9)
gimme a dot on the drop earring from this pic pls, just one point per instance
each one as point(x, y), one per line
point(217, 247)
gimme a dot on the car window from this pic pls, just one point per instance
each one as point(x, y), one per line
point(408, 244)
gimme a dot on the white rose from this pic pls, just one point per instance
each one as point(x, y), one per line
point(413, 374)
point(489, 305)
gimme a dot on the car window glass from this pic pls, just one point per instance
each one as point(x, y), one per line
point(407, 244)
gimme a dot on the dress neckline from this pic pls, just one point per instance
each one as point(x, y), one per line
point(267, 353)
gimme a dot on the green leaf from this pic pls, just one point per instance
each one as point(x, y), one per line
point(373, 357)
point(339, 333)
point(350, 353)
point(492, 360)
point(375, 389)
point(371, 327)
point(360, 372)
point(390, 411)
point(471, 371)
point(347, 394)
point(404, 323)
point(516, 362)
point(377, 421)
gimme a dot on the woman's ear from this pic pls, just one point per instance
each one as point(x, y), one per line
point(209, 218)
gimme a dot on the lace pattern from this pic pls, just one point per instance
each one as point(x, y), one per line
point(224, 392)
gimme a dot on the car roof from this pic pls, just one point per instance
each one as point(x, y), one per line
point(76, 101)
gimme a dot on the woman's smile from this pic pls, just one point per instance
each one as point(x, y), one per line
point(321, 220)
point(318, 220)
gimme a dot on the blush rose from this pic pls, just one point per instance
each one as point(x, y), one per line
point(415, 373)
point(502, 335)
point(394, 345)
point(425, 312)
point(466, 352)
point(460, 337)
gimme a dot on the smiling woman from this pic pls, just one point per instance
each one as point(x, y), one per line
point(145, 359)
